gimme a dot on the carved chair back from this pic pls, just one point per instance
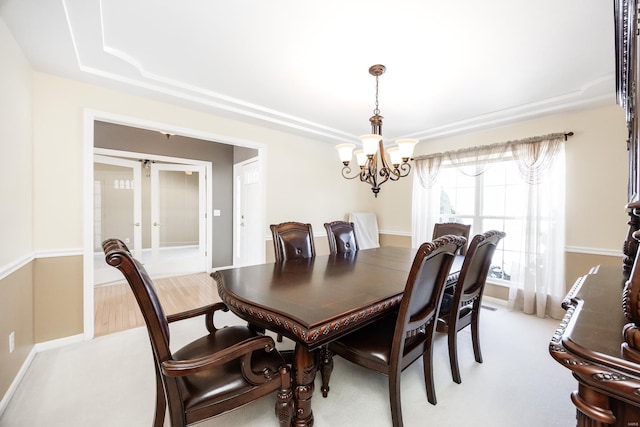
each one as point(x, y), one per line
point(342, 237)
point(457, 229)
point(292, 240)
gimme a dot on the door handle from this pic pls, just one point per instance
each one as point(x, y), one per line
point(155, 224)
point(137, 224)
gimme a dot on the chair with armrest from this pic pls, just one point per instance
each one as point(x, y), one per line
point(292, 240)
point(457, 229)
point(392, 343)
point(462, 308)
point(342, 237)
point(226, 368)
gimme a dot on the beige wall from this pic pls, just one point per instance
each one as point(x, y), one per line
point(16, 209)
point(17, 316)
point(57, 298)
point(16, 171)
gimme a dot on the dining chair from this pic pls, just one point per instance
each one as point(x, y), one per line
point(462, 308)
point(392, 343)
point(225, 369)
point(292, 240)
point(457, 229)
point(341, 236)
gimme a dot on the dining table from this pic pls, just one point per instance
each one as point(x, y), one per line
point(317, 300)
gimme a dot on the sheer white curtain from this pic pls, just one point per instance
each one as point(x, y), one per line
point(539, 275)
point(537, 283)
point(427, 197)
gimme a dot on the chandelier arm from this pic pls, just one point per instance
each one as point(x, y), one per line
point(346, 170)
point(385, 175)
point(405, 169)
point(390, 174)
point(400, 172)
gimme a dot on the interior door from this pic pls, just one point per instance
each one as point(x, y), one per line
point(178, 219)
point(117, 210)
point(249, 248)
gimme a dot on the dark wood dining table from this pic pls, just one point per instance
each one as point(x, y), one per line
point(317, 300)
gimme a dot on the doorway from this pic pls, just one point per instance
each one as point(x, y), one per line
point(135, 139)
point(156, 207)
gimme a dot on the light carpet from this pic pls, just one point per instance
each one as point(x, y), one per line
point(109, 381)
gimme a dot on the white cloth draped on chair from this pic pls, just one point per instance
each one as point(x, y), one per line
point(365, 225)
point(537, 282)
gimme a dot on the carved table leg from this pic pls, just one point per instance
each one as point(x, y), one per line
point(593, 408)
point(304, 373)
point(326, 367)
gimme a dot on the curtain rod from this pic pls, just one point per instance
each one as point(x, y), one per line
point(565, 135)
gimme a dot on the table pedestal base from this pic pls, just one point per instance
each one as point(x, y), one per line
point(304, 373)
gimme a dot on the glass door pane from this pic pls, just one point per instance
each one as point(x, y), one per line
point(117, 210)
point(178, 223)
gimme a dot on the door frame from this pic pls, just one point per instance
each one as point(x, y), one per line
point(260, 214)
point(91, 116)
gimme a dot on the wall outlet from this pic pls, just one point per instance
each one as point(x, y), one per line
point(12, 342)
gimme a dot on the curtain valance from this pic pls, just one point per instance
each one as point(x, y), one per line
point(533, 155)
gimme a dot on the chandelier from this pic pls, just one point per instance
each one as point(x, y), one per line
point(375, 169)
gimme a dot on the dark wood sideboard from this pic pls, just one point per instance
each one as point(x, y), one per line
point(599, 338)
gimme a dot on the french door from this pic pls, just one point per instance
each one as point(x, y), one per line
point(178, 218)
point(117, 192)
point(158, 209)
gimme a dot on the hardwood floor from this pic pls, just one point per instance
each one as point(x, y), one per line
point(115, 307)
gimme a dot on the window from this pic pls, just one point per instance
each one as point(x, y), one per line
point(516, 187)
point(490, 201)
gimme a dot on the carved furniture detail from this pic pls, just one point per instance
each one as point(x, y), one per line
point(599, 338)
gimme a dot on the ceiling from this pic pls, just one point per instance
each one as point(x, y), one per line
point(452, 67)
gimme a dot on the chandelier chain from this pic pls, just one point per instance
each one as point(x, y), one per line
point(376, 111)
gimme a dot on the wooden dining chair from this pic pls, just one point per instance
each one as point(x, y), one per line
point(341, 236)
point(292, 240)
point(226, 368)
point(457, 229)
point(392, 343)
point(462, 308)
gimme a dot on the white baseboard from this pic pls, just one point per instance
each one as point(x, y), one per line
point(16, 381)
point(48, 345)
point(594, 251)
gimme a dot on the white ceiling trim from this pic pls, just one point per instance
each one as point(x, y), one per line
point(86, 25)
point(575, 100)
